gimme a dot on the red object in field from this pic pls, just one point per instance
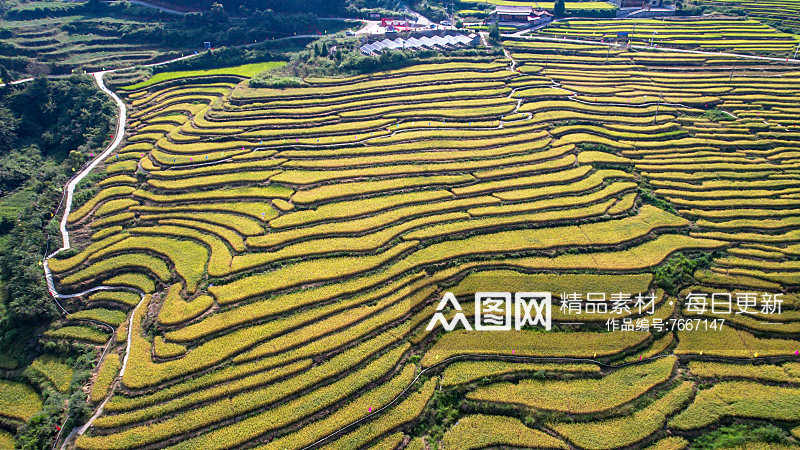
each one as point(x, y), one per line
point(385, 22)
point(58, 428)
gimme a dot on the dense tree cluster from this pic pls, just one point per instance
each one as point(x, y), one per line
point(222, 24)
point(43, 138)
point(321, 8)
point(343, 57)
point(223, 57)
point(219, 25)
point(55, 125)
point(560, 9)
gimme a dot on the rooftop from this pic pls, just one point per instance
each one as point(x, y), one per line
point(420, 42)
point(507, 9)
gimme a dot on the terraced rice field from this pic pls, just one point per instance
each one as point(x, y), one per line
point(546, 5)
point(715, 34)
point(774, 12)
point(87, 45)
point(289, 247)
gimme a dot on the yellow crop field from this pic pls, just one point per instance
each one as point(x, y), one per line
point(630, 429)
point(479, 431)
point(268, 263)
point(580, 396)
point(18, 401)
point(55, 371)
point(465, 372)
point(739, 399)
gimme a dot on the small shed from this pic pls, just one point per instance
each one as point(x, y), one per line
point(519, 15)
point(504, 13)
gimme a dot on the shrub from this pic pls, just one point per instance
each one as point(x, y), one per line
point(679, 271)
point(559, 9)
point(268, 79)
point(494, 33)
point(716, 115)
point(740, 435)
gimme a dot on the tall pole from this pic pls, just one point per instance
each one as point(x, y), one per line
point(450, 7)
point(655, 119)
point(795, 51)
point(730, 80)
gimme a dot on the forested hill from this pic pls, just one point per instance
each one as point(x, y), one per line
point(48, 129)
point(319, 7)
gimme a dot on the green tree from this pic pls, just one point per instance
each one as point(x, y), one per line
point(560, 9)
point(494, 33)
point(76, 159)
point(8, 130)
point(39, 431)
point(94, 5)
point(217, 13)
point(679, 270)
